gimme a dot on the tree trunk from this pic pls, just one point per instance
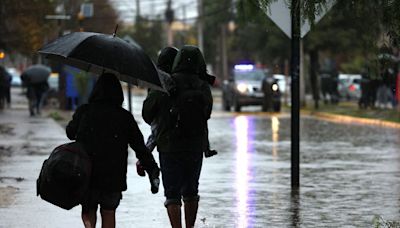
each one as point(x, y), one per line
point(314, 76)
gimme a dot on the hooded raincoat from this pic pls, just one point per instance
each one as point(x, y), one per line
point(106, 130)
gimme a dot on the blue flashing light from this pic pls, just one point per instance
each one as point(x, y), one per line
point(244, 67)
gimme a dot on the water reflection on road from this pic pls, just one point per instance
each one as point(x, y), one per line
point(243, 169)
point(349, 174)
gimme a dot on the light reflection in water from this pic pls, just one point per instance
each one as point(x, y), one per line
point(243, 171)
point(275, 137)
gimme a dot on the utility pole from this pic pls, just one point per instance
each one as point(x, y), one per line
point(286, 73)
point(224, 55)
point(137, 11)
point(200, 25)
point(130, 84)
point(184, 14)
point(295, 87)
point(302, 76)
point(169, 16)
point(61, 17)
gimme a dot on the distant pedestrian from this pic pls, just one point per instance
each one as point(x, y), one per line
point(384, 95)
point(364, 102)
point(106, 130)
point(398, 90)
point(35, 78)
point(5, 88)
point(182, 132)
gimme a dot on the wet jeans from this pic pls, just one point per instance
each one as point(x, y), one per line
point(180, 176)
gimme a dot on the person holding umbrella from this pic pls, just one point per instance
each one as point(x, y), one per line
point(35, 78)
point(182, 130)
point(106, 129)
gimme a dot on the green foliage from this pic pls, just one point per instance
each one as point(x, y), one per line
point(56, 116)
point(257, 38)
point(354, 66)
point(351, 109)
point(81, 80)
point(23, 26)
point(391, 18)
point(148, 34)
point(309, 8)
point(379, 222)
point(217, 14)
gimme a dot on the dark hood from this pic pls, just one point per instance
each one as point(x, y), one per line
point(166, 59)
point(107, 90)
point(190, 60)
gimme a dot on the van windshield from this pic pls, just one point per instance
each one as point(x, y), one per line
point(253, 75)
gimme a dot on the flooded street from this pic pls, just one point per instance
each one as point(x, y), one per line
point(349, 175)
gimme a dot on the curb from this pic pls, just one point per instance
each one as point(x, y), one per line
point(351, 119)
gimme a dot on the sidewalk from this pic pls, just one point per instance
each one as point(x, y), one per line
point(349, 112)
point(25, 142)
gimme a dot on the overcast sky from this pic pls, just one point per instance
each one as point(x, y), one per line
point(152, 8)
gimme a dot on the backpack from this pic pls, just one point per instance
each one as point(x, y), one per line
point(189, 107)
point(65, 176)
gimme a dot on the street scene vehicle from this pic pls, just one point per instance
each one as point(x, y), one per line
point(249, 85)
point(52, 93)
point(16, 78)
point(349, 86)
point(283, 82)
point(304, 111)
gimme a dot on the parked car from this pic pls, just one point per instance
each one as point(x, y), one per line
point(245, 87)
point(16, 76)
point(349, 86)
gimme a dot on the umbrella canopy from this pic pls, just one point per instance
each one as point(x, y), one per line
point(37, 73)
point(99, 53)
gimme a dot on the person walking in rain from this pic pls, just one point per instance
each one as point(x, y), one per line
point(180, 139)
point(35, 79)
point(106, 130)
point(5, 88)
point(164, 63)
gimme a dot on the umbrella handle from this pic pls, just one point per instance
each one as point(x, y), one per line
point(115, 31)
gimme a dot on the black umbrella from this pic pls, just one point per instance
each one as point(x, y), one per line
point(98, 53)
point(37, 73)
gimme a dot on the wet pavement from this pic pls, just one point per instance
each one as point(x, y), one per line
point(350, 174)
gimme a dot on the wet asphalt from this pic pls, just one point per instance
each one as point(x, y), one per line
point(350, 174)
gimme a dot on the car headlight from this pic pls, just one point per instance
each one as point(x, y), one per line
point(275, 87)
point(242, 87)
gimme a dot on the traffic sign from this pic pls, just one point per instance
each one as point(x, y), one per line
point(279, 13)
